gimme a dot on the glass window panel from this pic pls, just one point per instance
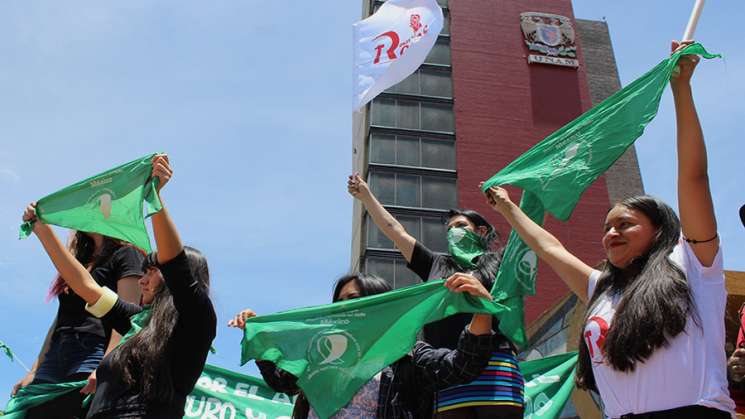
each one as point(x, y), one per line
point(384, 112)
point(383, 149)
point(383, 186)
point(404, 276)
point(408, 114)
point(382, 267)
point(437, 117)
point(407, 150)
point(436, 83)
point(411, 225)
point(438, 192)
point(443, 3)
point(434, 234)
point(409, 85)
point(440, 54)
point(445, 24)
point(407, 190)
point(439, 154)
point(375, 237)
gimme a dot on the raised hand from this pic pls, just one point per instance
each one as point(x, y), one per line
point(686, 65)
point(462, 282)
point(357, 187)
point(498, 198)
point(239, 321)
point(162, 170)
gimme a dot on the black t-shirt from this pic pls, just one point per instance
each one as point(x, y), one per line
point(187, 349)
point(71, 315)
point(442, 333)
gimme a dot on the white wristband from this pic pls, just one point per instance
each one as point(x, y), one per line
point(104, 303)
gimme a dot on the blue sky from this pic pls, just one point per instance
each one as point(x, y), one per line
point(252, 101)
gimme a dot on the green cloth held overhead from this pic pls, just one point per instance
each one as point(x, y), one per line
point(335, 349)
point(110, 203)
point(555, 172)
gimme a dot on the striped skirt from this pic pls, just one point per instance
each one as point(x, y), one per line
point(500, 384)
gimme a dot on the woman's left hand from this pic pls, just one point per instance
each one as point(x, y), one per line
point(90, 387)
point(239, 321)
point(162, 170)
point(686, 65)
point(461, 282)
point(30, 213)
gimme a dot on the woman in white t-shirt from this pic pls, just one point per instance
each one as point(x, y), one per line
point(653, 338)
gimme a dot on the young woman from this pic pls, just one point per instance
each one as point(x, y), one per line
point(149, 375)
point(653, 340)
point(77, 341)
point(406, 388)
point(469, 237)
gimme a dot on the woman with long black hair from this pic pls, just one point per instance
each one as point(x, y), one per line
point(406, 388)
point(152, 372)
point(653, 338)
point(471, 242)
point(77, 341)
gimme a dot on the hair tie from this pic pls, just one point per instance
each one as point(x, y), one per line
point(692, 241)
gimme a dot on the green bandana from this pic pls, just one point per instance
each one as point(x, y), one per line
point(138, 321)
point(465, 246)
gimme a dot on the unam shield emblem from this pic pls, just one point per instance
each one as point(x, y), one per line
point(549, 34)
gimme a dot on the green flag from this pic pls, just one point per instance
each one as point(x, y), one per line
point(555, 172)
point(5, 348)
point(110, 203)
point(548, 384)
point(335, 349)
point(220, 393)
point(560, 167)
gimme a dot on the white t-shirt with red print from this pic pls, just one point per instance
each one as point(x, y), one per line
point(692, 369)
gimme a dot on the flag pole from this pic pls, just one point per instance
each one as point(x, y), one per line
point(693, 21)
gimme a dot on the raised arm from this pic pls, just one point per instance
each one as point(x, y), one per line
point(167, 238)
point(392, 229)
point(571, 270)
point(694, 197)
point(75, 275)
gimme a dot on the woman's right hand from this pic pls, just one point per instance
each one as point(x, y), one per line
point(357, 187)
point(239, 321)
point(30, 213)
point(162, 170)
point(498, 198)
point(23, 382)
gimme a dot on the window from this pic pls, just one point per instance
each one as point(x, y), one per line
point(419, 191)
point(404, 150)
point(440, 53)
point(391, 269)
point(426, 82)
point(411, 114)
point(430, 230)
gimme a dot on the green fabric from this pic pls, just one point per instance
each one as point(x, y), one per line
point(560, 167)
point(548, 384)
point(36, 394)
point(137, 322)
point(516, 275)
point(335, 349)
point(5, 348)
point(220, 393)
point(555, 172)
point(464, 246)
point(110, 203)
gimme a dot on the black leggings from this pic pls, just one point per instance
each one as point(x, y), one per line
point(67, 406)
point(483, 412)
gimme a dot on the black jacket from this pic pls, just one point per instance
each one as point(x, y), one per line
point(408, 386)
point(186, 351)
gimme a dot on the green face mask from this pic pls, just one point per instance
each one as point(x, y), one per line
point(464, 246)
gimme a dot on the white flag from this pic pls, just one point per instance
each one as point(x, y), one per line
point(391, 44)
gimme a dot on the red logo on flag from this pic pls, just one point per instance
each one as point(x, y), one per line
point(415, 22)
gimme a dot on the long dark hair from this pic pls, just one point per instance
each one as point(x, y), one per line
point(488, 264)
point(144, 358)
point(83, 248)
point(655, 300)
